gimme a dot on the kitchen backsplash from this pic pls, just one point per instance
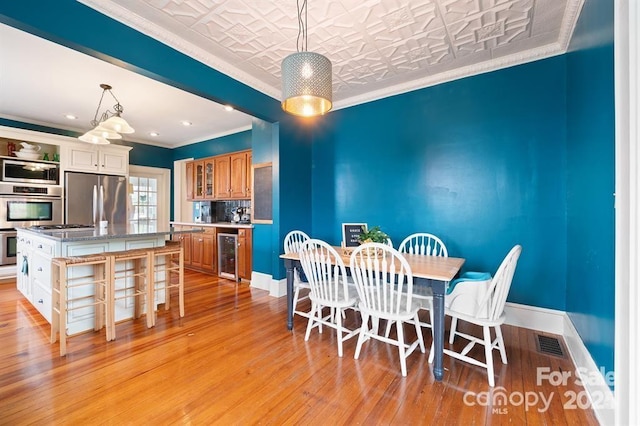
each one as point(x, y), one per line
point(220, 211)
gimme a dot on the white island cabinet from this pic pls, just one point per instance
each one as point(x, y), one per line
point(35, 249)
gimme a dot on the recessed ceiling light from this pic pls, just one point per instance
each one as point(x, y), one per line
point(70, 116)
point(186, 123)
point(228, 108)
point(154, 134)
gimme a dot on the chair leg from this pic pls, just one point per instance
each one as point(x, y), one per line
point(312, 319)
point(500, 340)
point(416, 321)
point(431, 353)
point(488, 353)
point(452, 330)
point(375, 323)
point(362, 336)
point(387, 332)
point(339, 314)
point(296, 295)
point(401, 348)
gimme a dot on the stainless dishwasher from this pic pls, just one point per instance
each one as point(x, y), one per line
point(228, 256)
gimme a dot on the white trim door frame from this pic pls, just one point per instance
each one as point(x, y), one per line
point(182, 210)
point(163, 176)
point(627, 312)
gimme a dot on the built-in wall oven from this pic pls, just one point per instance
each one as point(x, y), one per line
point(24, 206)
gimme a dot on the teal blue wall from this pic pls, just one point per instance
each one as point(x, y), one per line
point(479, 162)
point(264, 249)
point(590, 181)
point(234, 142)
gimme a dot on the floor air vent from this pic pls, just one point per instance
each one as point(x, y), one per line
point(550, 346)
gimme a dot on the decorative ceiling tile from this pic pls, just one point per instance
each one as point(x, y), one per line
point(378, 47)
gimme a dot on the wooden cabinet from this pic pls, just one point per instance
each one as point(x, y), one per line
point(203, 179)
point(239, 187)
point(203, 250)
point(232, 176)
point(185, 242)
point(244, 253)
point(223, 177)
point(249, 174)
point(113, 160)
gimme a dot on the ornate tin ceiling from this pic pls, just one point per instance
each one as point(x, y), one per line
point(378, 47)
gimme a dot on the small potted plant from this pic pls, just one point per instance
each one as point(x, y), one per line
point(373, 235)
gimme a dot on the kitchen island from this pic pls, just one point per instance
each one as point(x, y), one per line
point(36, 248)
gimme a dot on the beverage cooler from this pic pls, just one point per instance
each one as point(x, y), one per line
point(228, 256)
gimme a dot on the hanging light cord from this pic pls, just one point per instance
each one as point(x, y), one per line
point(301, 41)
point(105, 115)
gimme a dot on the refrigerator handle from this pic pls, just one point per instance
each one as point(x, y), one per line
point(95, 204)
point(101, 205)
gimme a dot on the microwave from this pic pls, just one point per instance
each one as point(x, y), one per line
point(23, 171)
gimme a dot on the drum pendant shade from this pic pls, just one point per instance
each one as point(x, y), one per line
point(306, 84)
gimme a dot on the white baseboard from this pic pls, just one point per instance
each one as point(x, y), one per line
point(276, 288)
point(592, 378)
point(558, 322)
point(534, 318)
point(260, 280)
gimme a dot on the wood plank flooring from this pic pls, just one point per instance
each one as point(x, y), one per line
point(231, 360)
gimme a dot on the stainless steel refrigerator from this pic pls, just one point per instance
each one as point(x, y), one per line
point(90, 198)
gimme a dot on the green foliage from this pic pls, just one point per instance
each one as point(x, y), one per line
point(373, 235)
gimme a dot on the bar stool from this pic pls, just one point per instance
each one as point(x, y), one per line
point(71, 289)
point(132, 269)
point(168, 262)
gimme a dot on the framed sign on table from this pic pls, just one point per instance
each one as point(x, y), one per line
point(351, 232)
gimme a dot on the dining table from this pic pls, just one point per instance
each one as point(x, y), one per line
point(428, 271)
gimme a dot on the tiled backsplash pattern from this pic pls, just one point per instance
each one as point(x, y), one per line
point(219, 211)
point(224, 209)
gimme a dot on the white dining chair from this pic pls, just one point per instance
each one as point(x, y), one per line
point(482, 303)
point(424, 244)
point(292, 243)
point(384, 281)
point(327, 278)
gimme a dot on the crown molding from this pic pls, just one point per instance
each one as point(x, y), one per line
point(145, 26)
point(531, 55)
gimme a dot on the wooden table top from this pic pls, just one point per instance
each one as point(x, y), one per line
point(429, 267)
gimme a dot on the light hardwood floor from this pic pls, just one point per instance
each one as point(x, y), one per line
point(231, 360)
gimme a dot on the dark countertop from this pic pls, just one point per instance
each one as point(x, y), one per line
point(109, 233)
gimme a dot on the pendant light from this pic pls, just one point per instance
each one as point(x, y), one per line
point(306, 76)
point(110, 125)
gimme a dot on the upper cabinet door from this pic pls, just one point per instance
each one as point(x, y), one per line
point(198, 173)
point(239, 187)
point(110, 160)
point(208, 178)
point(222, 171)
point(81, 159)
point(113, 163)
